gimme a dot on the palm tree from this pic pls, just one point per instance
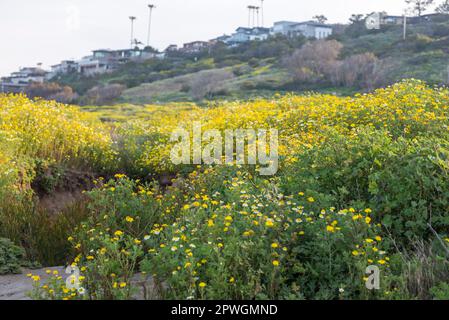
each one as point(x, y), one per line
point(132, 30)
point(151, 7)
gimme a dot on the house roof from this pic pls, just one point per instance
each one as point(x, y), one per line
point(245, 29)
point(195, 42)
point(285, 22)
point(103, 50)
point(314, 24)
point(255, 30)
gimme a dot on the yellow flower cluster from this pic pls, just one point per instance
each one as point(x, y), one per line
point(302, 121)
point(51, 132)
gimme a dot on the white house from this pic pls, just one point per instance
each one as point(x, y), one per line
point(259, 33)
point(282, 27)
point(243, 34)
point(106, 60)
point(309, 29)
point(90, 66)
point(64, 67)
point(18, 81)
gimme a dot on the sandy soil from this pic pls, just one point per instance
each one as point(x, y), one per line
point(17, 286)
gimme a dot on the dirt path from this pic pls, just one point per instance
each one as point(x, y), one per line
point(17, 286)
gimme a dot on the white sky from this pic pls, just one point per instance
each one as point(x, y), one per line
point(49, 31)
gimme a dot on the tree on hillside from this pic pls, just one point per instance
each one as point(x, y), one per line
point(103, 94)
point(363, 70)
point(315, 62)
point(355, 18)
point(208, 83)
point(419, 6)
point(51, 91)
point(444, 7)
point(320, 18)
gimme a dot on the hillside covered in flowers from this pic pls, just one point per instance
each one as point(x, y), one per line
point(362, 181)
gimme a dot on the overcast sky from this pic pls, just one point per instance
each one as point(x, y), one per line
point(48, 31)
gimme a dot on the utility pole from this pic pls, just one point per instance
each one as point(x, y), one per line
point(405, 26)
point(132, 29)
point(151, 7)
point(249, 16)
point(262, 12)
point(407, 12)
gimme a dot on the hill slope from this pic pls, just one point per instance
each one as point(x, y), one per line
point(259, 68)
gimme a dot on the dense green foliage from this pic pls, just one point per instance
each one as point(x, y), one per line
point(12, 257)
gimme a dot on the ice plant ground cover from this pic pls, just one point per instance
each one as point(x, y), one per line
point(362, 181)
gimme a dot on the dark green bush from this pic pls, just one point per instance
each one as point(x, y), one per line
point(405, 181)
point(12, 257)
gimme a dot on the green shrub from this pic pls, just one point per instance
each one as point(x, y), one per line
point(404, 181)
point(441, 292)
point(12, 257)
point(239, 238)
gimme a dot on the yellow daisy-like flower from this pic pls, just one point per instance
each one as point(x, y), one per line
point(276, 263)
point(129, 219)
point(202, 284)
point(269, 223)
